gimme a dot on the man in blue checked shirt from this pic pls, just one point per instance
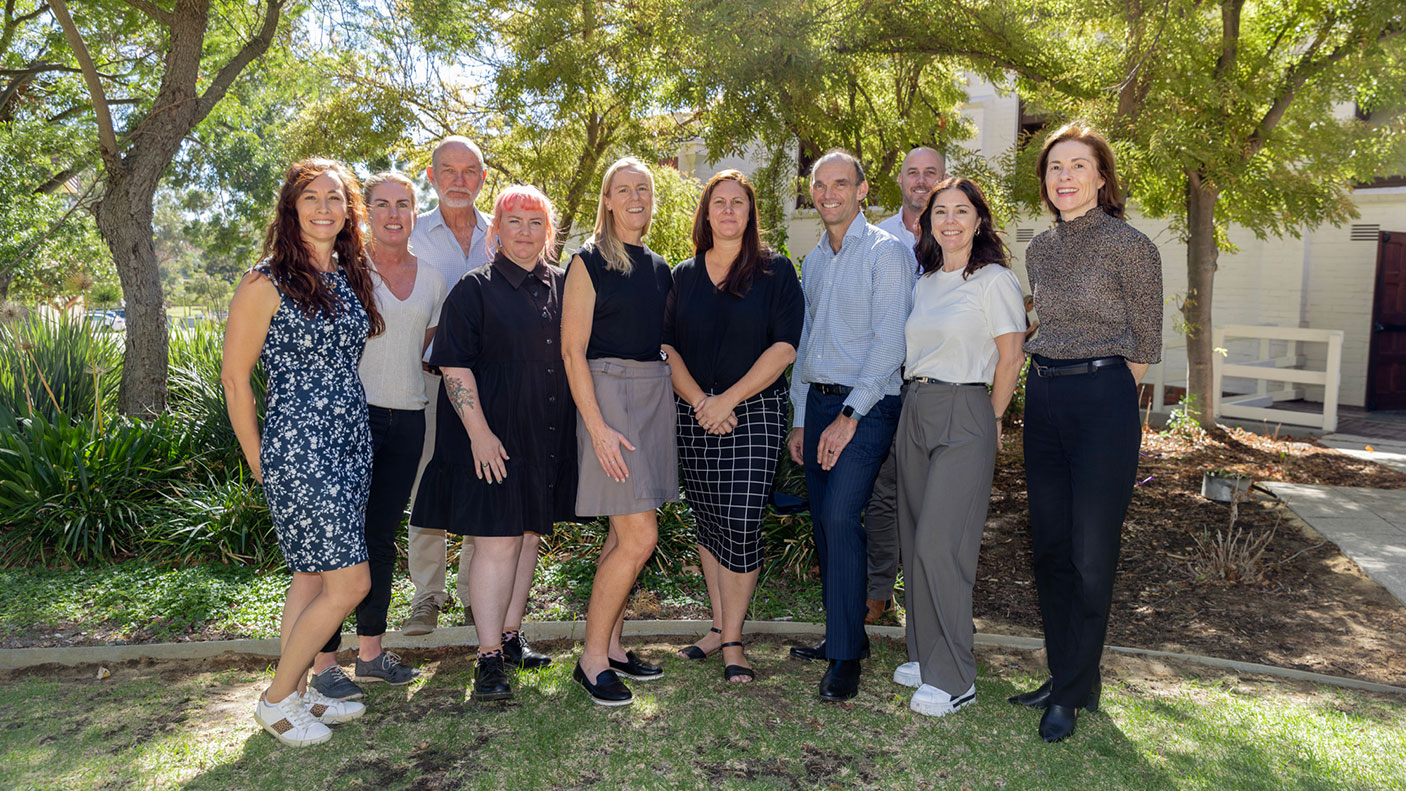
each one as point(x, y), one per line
point(858, 285)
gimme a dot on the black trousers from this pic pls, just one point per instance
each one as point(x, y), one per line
point(1081, 450)
point(396, 438)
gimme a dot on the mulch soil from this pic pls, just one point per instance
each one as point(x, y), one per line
point(1303, 605)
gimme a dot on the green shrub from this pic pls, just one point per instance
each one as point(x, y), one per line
point(58, 367)
point(224, 521)
point(72, 492)
point(197, 396)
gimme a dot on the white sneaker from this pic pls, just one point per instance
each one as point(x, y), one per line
point(934, 702)
point(330, 710)
point(290, 722)
point(907, 675)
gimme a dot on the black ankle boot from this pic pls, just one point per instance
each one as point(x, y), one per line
point(490, 679)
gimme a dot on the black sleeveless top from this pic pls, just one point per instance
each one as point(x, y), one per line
point(629, 315)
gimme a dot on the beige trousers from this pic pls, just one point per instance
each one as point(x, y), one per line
point(429, 552)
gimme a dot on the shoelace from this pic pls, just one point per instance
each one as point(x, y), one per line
point(423, 608)
point(391, 659)
point(296, 713)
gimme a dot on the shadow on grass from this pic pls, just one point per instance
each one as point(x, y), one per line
point(191, 728)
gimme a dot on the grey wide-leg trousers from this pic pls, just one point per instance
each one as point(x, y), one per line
point(946, 452)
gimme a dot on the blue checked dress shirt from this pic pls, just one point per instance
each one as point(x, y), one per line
point(857, 301)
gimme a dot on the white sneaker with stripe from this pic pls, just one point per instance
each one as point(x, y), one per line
point(289, 722)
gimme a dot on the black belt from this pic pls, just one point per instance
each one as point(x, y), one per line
point(831, 390)
point(1046, 371)
point(931, 381)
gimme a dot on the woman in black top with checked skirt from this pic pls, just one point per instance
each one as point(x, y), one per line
point(731, 327)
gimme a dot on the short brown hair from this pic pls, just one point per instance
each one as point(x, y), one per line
point(1110, 197)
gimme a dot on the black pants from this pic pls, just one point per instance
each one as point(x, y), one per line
point(396, 438)
point(1081, 451)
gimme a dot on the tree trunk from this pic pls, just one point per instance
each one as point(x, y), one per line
point(124, 218)
point(1201, 255)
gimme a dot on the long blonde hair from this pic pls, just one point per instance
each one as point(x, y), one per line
point(605, 239)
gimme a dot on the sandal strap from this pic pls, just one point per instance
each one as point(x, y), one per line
point(737, 643)
point(715, 629)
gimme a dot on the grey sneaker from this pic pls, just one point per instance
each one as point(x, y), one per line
point(333, 683)
point(423, 619)
point(386, 667)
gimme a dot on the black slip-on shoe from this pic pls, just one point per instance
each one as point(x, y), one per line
point(1057, 723)
point(607, 690)
point(636, 668)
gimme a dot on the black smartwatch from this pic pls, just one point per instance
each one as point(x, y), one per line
point(848, 411)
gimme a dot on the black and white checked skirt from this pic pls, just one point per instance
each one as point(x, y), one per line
point(727, 478)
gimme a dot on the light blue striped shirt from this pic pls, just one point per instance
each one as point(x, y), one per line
point(857, 301)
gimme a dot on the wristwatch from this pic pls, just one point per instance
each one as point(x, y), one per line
point(848, 411)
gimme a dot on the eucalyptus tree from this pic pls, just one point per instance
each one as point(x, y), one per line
point(1259, 114)
point(150, 71)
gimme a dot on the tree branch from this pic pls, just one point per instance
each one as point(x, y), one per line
point(1229, 38)
point(1300, 73)
point(252, 49)
point(152, 10)
point(79, 109)
point(13, 22)
point(107, 136)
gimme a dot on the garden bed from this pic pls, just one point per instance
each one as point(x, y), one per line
point(1310, 608)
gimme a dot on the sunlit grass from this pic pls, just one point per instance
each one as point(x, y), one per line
point(162, 728)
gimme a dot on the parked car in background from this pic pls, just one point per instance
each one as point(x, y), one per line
point(106, 319)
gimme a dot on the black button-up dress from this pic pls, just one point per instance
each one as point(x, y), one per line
point(503, 323)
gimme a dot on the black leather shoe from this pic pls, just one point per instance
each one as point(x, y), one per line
point(816, 653)
point(519, 653)
point(1057, 723)
point(1095, 693)
point(841, 680)
point(490, 679)
point(1040, 698)
point(607, 690)
point(636, 668)
point(1037, 699)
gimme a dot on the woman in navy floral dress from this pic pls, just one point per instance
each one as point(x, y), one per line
point(306, 311)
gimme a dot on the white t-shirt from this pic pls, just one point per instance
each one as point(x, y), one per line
point(390, 364)
point(952, 330)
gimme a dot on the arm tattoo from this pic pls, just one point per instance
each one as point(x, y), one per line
point(460, 395)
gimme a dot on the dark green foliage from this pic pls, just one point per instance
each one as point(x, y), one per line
point(76, 493)
point(58, 367)
point(197, 395)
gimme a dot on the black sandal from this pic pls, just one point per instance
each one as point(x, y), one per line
point(736, 671)
point(695, 653)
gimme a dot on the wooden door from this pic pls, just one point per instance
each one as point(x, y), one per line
point(1386, 363)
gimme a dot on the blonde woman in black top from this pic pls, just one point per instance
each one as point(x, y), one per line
point(731, 328)
point(611, 331)
point(1097, 284)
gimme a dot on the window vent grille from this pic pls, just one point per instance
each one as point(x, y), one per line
point(1023, 235)
point(1365, 232)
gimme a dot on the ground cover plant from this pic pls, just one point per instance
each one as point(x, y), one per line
point(186, 725)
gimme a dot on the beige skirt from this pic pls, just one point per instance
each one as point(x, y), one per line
point(636, 399)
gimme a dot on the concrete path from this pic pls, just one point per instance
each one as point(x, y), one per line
point(1369, 525)
point(1387, 452)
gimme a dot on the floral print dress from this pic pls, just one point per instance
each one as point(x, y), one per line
point(316, 447)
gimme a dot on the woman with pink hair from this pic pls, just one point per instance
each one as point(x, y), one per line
point(506, 471)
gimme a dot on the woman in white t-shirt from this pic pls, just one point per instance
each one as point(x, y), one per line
point(964, 334)
point(409, 297)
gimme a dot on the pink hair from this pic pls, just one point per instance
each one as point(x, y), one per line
point(528, 198)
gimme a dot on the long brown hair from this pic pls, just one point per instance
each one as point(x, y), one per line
point(1110, 196)
point(987, 247)
point(753, 255)
point(291, 265)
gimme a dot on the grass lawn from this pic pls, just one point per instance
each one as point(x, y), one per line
point(181, 726)
point(134, 601)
